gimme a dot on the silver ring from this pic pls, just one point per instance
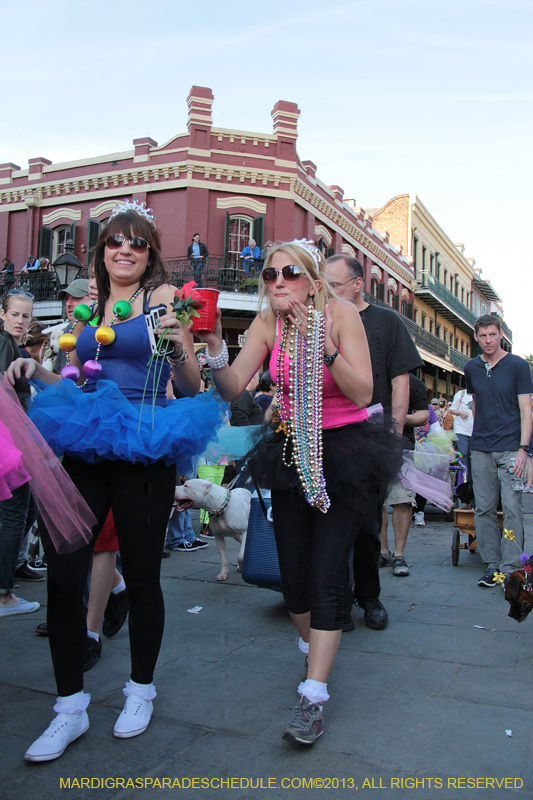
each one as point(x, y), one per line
point(299, 322)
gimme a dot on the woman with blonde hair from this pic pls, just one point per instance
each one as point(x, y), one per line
point(321, 454)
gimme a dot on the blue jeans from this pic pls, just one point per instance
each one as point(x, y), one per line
point(18, 514)
point(180, 529)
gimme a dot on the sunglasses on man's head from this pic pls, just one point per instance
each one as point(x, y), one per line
point(20, 291)
point(137, 244)
point(290, 273)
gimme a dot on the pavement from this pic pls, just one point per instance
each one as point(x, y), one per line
point(419, 710)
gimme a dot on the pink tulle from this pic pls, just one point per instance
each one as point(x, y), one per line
point(12, 472)
point(67, 517)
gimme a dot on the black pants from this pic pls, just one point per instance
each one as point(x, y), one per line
point(366, 550)
point(313, 552)
point(141, 499)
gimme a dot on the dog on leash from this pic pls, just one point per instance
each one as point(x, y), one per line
point(231, 509)
point(519, 594)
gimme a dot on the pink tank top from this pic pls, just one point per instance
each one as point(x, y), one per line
point(337, 410)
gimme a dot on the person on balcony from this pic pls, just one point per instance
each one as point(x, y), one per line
point(197, 252)
point(251, 256)
point(8, 273)
point(31, 265)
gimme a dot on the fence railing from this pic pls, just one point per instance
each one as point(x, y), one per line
point(42, 285)
point(430, 283)
point(225, 273)
point(458, 359)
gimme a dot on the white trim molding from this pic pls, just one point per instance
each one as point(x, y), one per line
point(375, 270)
point(392, 284)
point(226, 203)
point(61, 213)
point(103, 208)
point(321, 230)
point(405, 292)
point(348, 250)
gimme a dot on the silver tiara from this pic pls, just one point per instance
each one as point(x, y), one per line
point(128, 205)
point(311, 248)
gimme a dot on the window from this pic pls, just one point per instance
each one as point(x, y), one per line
point(462, 294)
point(437, 330)
point(468, 350)
point(445, 335)
point(457, 288)
point(415, 254)
point(431, 326)
point(423, 260)
point(415, 315)
point(456, 343)
point(431, 262)
point(390, 298)
point(451, 283)
point(374, 287)
point(462, 346)
point(446, 277)
point(423, 321)
point(438, 270)
point(240, 233)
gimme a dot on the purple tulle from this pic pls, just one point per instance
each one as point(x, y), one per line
point(67, 517)
point(428, 474)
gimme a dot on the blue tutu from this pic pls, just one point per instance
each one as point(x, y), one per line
point(104, 425)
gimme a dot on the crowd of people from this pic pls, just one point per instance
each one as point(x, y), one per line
point(343, 420)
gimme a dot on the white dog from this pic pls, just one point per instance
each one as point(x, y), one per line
point(231, 521)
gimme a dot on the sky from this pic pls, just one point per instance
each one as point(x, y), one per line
point(429, 97)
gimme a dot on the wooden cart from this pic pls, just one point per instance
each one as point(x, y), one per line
point(463, 520)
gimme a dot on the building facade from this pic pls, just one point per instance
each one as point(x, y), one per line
point(449, 292)
point(228, 185)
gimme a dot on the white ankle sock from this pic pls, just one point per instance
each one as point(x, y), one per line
point(119, 588)
point(304, 646)
point(93, 635)
point(315, 691)
point(73, 704)
point(145, 690)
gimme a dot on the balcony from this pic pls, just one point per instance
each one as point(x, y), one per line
point(458, 359)
point(420, 336)
point(218, 272)
point(445, 302)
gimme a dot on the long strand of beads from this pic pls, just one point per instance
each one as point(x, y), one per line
point(104, 335)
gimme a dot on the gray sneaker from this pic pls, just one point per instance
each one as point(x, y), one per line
point(399, 566)
point(306, 725)
point(385, 560)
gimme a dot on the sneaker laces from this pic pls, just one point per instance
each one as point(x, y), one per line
point(133, 705)
point(303, 713)
point(54, 727)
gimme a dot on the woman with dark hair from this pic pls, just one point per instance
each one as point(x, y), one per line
point(122, 441)
point(322, 456)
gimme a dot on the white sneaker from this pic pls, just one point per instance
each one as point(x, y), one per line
point(419, 518)
point(63, 730)
point(135, 717)
point(20, 607)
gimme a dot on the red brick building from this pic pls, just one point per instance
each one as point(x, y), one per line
point(229, 185)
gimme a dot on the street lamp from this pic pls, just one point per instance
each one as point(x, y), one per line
point(67, 267)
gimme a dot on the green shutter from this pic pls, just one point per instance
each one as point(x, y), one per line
point(93, 232)
point(330, 251)
point(45, 242)
point(258, 231)
point(381, 291)
point(72, 234)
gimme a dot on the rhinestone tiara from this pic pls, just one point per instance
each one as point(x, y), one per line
point(311, 248)
point(129, 205)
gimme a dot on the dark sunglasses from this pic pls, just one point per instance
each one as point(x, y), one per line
point(290, 273)
point(137, 244)
point(20, 291)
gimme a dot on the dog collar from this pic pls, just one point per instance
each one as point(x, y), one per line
point(224, 505)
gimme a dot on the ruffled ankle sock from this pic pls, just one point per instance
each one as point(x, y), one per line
point(315, 691)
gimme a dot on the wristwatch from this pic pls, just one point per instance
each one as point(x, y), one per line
point(524, 447)
point(328, 360)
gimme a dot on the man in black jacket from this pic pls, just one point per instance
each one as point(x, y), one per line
point(197, 252)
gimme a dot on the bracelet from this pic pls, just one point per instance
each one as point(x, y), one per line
point(178, 361)
point(220, 361)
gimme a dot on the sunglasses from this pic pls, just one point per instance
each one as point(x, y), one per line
point(137, 244)
point(290, 273)
point(20, 291)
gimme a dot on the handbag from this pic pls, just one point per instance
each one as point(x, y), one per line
point(448, 422)
point(260, 564)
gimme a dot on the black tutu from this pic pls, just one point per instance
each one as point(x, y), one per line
point(357, 459)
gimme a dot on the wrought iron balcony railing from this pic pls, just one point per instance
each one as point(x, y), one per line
point(430, 284)
point(458, 359)
point(42, 285)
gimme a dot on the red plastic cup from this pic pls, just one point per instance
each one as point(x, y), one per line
point(208, 311)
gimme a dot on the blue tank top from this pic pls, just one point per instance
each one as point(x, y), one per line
point(126, 361)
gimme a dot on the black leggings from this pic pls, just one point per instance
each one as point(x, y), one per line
point(313, 552)
point(141, 499)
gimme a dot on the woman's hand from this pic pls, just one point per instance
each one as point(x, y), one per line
point(21, 367)
point(214, 339)
point(170, 329)
point(298, 315)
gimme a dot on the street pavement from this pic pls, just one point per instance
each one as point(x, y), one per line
point(419, 710)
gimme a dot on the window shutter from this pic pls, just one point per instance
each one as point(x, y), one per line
point(258, 230)
point(396, 302)
point(409, 311)
point(45, 242)
point(93, 232)
point(330, 251)
point(72, 234)
point(226, 235)
point(381, 291)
